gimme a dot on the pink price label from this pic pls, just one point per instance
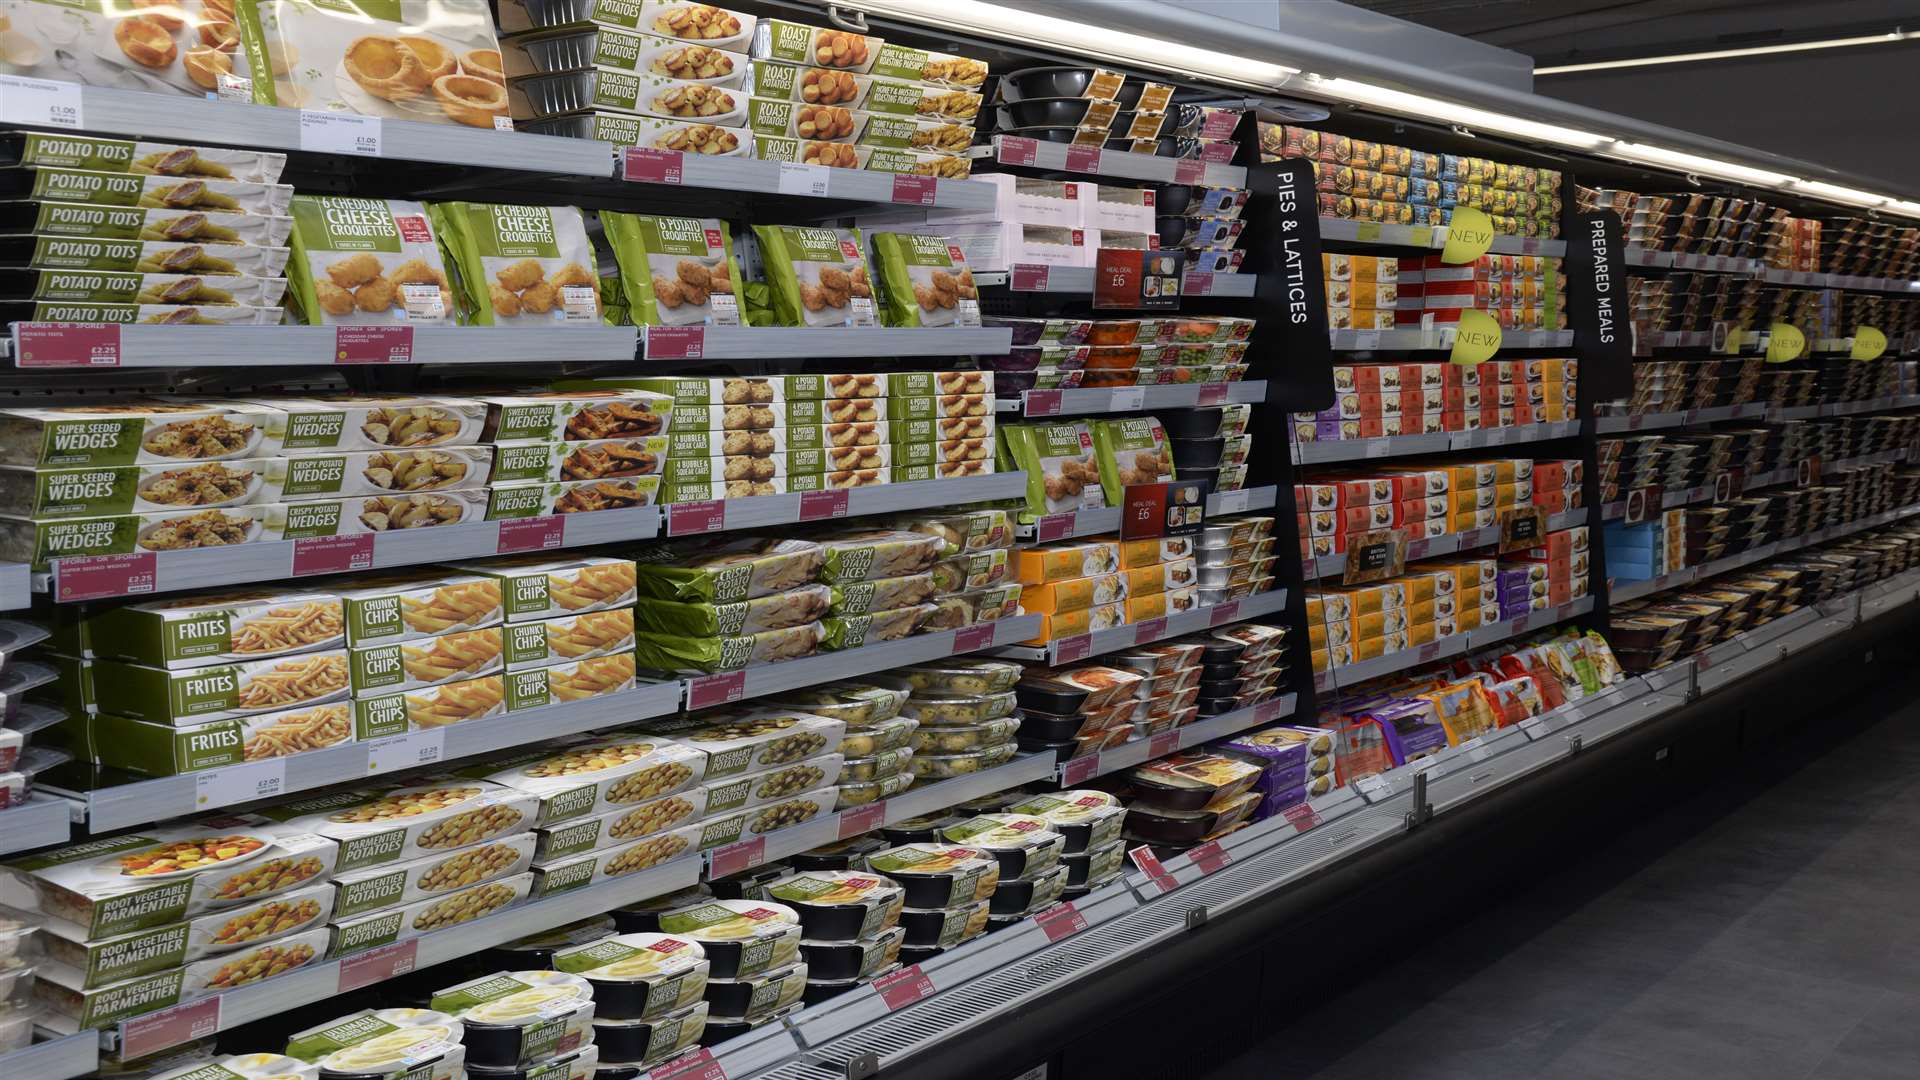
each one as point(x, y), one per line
point(1083, 159)
point(1149, 631)
point(1703, 661)
point(96, 577)
point(1079, 770)
point(1070, 650)
point(1303, 817)
point(645, 165)
point(903, 987)
point(1210, 857)
point(68, 345)
point(531, 534)
point(1219, 152)
point(1429, 652)
point(1213, 393)
point(1197, 283)
point(1060, 921)
point(1267, 712)
point(1418, 549)
point(1046, 403)
point(698, 1065)
point(973, 638)
point(1224, 613)
point(710, 690)
point(862, 819)
point(1220, 125)
point(157, 1031)
point(676, 342)
point(1019, 150)
point(1029, 277)
point(1520, 624)
point(915, 190)
point(1054, 526)
point(1149, 864)
point(823, 505)
point(373, 344)
point(1189, 171)
point(378, 965)
point(1163, 744)
point(688, 518)
point(733, 858)
point(332, 554)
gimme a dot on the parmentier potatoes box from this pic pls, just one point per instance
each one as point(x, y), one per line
point(538, 587)
point(386, 823)
point(491, 695)
point(571, 836)
point(592, 776)
point(110, 886)
point(381, 887)
point(59, 986)
point(109, 960)
point(197, 631)
point(359, 933)
point(593, 867)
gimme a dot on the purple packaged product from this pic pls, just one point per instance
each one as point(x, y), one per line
point(1025, 331)
point(1275, 802)
point(1334, 430)
point(1283, 764)
point(1019, 358)
point(1410, 729)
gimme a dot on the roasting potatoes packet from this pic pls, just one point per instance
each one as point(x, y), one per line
point(519, 265)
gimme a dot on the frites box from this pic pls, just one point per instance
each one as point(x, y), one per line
point(163, 749)
point(217, 629)
point(222, 691)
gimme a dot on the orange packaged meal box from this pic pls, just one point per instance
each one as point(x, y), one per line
point(1057, 562)
point(1073, 594)
point(1084, 621)
point(1138, 553)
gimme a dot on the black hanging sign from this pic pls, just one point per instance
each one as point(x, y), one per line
point(1292, 290)
point(1597, 305)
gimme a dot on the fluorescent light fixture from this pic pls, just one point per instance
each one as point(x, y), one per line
point(1842, 194)
point(1694, 163)
point(999, 20)
point(1727, 54)
point(1901, 206)
point(1452, 113)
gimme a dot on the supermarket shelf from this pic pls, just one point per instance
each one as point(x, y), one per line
point(1222, 503)
point(1053, 157)
point(1608, 425)
point(1132, 398)
point(768, 511)
point(1713, 264)
point(1106, 519)
point(916, 801)
point(754, 176)
point(171, 571)
point(16, 586)
point(1431, 237)
point(1776, 276)
point(1441, 337)
point(318, 982)
point(1076, 771)
point(39, 822)
point(1680, 339)
point(1673, 499)
point(1351, 675)
point(1318, 453)
point(1331, 565)
point(1634, 590)
point(759, 680)
point(795, 342)
point(1081, 646)
point(65, 1058)
point(174, 796)
point(1078, 281)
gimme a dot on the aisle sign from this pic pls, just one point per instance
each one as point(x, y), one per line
point(1469, 235)
point(1868, 343)
point(1175, 508)
point(1477, 338)
point(1597, 306)
point(1305, 381)
point(1786, 343)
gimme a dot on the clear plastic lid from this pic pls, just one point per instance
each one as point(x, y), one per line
point(860, 703)
point(963, 676)
point(960, 708)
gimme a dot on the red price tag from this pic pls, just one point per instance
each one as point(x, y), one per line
point(1210, 857)
point(914, 190)
point(1149, 864)
point(1019, 150)
point(698, 1065)
point(1080, 770)
point(1520, 624)
point(645, 165)
point(1046, 403)
point(1703, 661)
point(96, 577)
point(676, 342)
point(1189, 171)
point(378, 965)
point(373, 344)
point(1197, 283)
point(862, 819)
point(733, 858)
point(1268, 711)
point(1163, 744)
point(68, 345)
point(531, 534)
point(903, 987)
point(1220, 152)
point(1054, 526)
point(973, 638)
point(157, 1031)
point(1220, 124)
point(1083, 159)
point(822, 505)
point(1303, 816)
point(710, 690)
point(332, 554)
point(1417, 549)
point(1213, 393)
point(1068, 650)
point(1060, 921)
point(1429, 652)
point(688, 518)
point(1149, 631)
point(1029, 277)
point(1224, 613)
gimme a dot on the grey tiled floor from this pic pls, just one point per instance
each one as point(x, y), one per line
point(1780, 940)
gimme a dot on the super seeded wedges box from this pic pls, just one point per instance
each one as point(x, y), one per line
point(538, 587)
point(38, 542)
point(143, 952)
point(358, 933)
point(144, 223)
point(594, 776)
point(139, 431)
point(115, 885)
point(675, 271)
point(520, 265)
point(49, 494)
point(418, 604)
point(375, 888)
point(60, 151)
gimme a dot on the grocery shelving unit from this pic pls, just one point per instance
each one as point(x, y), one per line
point(1123, 399)
point(1118, 164)
point(1062, 651)
point(1445, 544)
point(41, 821)
point(1106, 519)
point(1393, 446)
point(1072, 772)
point(65, 1058)
point(1077, 281)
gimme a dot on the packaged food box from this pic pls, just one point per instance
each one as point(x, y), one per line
point(520, 265)
point(160, 876)
point(149, 191)
point(440, 65)
point(628, 822)
point(1023, 846)
point(880, 594)
point(70, 286)
point(371, 1026)
point(104, 961)
point(145, 223)
point(574, 45)
point(376, 513)
point(741, 938)
point(568, 638)
point(922, 135)
point(938, 875)
point(628, 129)
point(1088, 819)
point(592, 459)
point(149, 314)
point(603, 864)
point(862, 704)
point(388, 825)
point(668, 652)
point(773, 611)
point(639, 976)
point(924, 281)
point(371, 421)
point(375, 888)
point(359, 933)
point(517, 1018)
point(221, 691)
point(864, 556)
point(973, 570)
point(809, 121)
point(1192, 779)
point(841, 905)
point(727, 569)
point(537, 587)
point(675, 271)
point(1059, 460)
point(921, 99)
point(509, 501)
point(168, 749)
point(138, 431)
point(623, 89)
point(1057, 562)
point(810, 85)
point(813, 46)
point(751, 740)
point(578, 414)
point(816, 277)
point(410, 606)
point(383, 714)
point(58, 986)
point(196, 632)
point(367, 262)
point(65, 151)
point(896, 61)
point(1131, 450)
point(830, 155)
point(599, 775)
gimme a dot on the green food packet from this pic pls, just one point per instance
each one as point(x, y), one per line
point(675, 271)
point(815, 277)
point(924, 281)
point(520, 265)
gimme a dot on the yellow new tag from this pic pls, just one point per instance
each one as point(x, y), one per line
point(1477, 339)
point(1736, 339)
point(1368, 232)
point(1868, 343)
point(1786, 344)
point(1469, 235)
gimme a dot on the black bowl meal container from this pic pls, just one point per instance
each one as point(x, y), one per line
point(1017, 897)
point(1211, 476)
point(844, 855)
point(720, 1029)
point(749, 884)
point(535, 952)
point(1230, 669)
point(943, 928)
point(1221, 650)
point(1062, 748)
point(919, 954)
point(1219, 688)
point(819, 990)
point(1046, 695)
point(773, 943)
point(1034, 850)
point(642, 1042)
point(1048, 81)
point(1094, 865)
point(1044, 134)
point(672, 977)
point(876, 910)
point(645, 915)
point(833, 961)
point(1172, 229)
point(1044, 112)
point(1088, 819)
point(920, 830)
point(749, 999)
point(939, 875)
point(580, 1063)
point(1197, 453)
point(511, 1045)
point(1050, 727)
point(1193, 423)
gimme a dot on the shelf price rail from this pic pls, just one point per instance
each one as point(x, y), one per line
point(1106, 519)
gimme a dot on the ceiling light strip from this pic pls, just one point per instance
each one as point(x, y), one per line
point(1728, 54)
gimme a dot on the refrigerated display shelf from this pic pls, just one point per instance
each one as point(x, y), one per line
point(41, 821)
point(1415, 339)
point(1082, 402)
point(1332, 565)
point(804, 342)
point(1076, 771)
point(1431, 237)
point(16, 586)
point(1676, 498)
point(1080, 646)
point(1610, 425)
point(1077, 281)
point(1319, 453)
point(1634, 590)
point(1106, 519)
point(1121, 164)
point(772, 511)
point(1348, 676)
point(67, 1057)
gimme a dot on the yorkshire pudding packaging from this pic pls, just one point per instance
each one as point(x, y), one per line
point(394, 59)
point(366, 261)
point(520, 265)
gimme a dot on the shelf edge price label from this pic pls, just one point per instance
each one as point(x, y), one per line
point(710, 690)
point(339, 133)
point(696, 1065)
point(1149, 864)
point(373, 345)
point(1072, 649)
point(676, 342)
point(156, 1031)
point(823, 505)
point(97, 577)
point(1163, 744)
point(41, 102)
point(1210, 857)
point(1197, 283)
point(244, 783)
point(408, 751)
point(68, 345)
point(862, 819)
point(1054, 527)
point(801, 179)
point(531, 534)
point(1084, 159)
point(1028, 277)
point(969, 639)
point(1060, 921)
point(688, 518)
point(1215, 393)
point(904, 987)
point(379, 965)
point(1189, 171)
point(1076, 771)
point(1019, 150)
point(1224, 613)
point(1302, 816)
point(332, 554)
point(1231, 502)
point(1149, 631)
point(730, 859)
point(915, 190)
point(646, 165)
